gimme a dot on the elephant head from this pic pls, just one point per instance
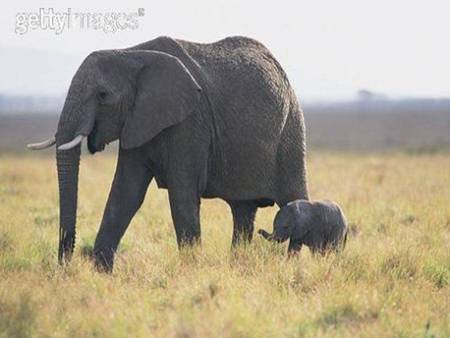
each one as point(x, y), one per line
point(292, 220)
point(130, 95)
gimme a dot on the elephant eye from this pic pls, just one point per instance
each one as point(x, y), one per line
point(101, 96)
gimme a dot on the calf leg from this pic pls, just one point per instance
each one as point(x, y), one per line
point(295, 245)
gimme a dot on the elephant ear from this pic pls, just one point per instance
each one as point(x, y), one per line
point(303, 216)
point(166, 94)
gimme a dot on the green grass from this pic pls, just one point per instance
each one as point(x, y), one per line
point(392, 280)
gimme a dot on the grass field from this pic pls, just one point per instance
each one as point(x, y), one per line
point(392, 280)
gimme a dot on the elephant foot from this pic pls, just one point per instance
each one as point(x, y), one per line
point(104, 260)
point(189, 240)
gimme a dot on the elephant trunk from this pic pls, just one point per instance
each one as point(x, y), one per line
point(274, 237)
point(68, 165)
point(265, 234)
point(76, 121)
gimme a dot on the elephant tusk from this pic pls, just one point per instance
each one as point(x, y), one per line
point(72, 144)
point(42, 145)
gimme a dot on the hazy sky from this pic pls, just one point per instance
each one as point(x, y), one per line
point(330, 49)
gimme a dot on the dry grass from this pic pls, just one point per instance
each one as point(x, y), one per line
point(392, 280)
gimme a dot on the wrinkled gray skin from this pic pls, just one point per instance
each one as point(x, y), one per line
point(204, 120)
point(320, 225)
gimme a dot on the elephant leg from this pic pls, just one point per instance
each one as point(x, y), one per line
point(295, 245)
point(127, 193)
point(186, 178)
point(244, 213)
point(185, 209)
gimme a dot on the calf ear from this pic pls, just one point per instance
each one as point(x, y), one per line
point(286, 218)
point(300, 218)
point(166, 94)
point(282, 225)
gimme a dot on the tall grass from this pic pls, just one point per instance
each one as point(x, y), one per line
point(392, 280)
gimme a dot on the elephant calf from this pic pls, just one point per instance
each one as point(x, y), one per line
point(320, 225)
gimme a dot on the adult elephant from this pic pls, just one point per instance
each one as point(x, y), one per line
point(204, 120)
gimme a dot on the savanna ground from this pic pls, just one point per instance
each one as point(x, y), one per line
point(392, 280)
